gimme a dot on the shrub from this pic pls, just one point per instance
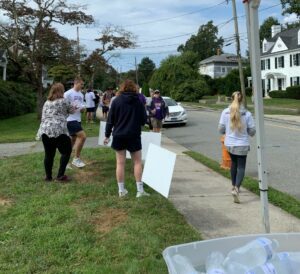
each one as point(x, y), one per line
point(248, 91)
point(293, 92)
point(16, 99)
point(278, 94)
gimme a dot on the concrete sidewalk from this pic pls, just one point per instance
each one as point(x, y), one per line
point(204, 198)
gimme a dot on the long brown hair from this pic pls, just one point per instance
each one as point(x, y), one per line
point(128, 86)
point(56, 92)
point(235, 116)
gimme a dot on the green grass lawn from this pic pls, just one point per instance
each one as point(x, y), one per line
point(271, 106)
point(24, 128)
point(83, 226)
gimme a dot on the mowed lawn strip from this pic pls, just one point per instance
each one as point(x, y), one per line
point(24, 128)
point(276, 197)
point(83, 226)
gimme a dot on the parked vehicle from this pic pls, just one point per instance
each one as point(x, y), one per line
point(177, 114)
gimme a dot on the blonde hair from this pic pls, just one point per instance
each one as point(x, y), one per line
point(235, 115)
point(56, 92)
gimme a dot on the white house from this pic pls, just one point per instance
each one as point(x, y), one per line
point(3, 63)
point(218, 65)
point(280, 59)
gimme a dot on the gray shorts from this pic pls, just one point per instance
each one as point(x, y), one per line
point(156, 123)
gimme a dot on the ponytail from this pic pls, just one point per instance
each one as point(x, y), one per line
point(235, 116)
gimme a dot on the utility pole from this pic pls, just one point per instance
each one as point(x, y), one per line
point(136, 72)
point(238, 53)
point(78, 52)
point(251, 8)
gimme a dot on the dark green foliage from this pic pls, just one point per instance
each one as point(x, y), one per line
point(293, 92)
point(248, 91)
point(265, 28)
point(145, 90)
point(16, 99)
point(290, 6)
point(278, 94)
point(205, 43)
point(145, 70)
point(178, 78)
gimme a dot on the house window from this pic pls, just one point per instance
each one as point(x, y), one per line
point(263, 64)
point(217, 69)
point(281, 62)
point(295, 81)
point(223, 69)
point(296, 59)
point(265, 47)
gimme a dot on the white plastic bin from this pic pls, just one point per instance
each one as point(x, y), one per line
point(197, 252)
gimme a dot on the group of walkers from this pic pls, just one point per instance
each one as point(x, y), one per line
point(61, 129)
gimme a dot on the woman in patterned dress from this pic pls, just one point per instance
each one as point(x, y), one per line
point(54, 133)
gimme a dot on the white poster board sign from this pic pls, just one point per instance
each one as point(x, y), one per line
point(158, 169)
point(102, 135)
point(147, 139)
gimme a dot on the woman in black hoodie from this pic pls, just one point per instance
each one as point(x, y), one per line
point(125, 119)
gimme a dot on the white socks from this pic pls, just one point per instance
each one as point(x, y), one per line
point(121, 187)
point(139, 186)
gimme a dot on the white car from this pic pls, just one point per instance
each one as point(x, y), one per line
point(177, 114)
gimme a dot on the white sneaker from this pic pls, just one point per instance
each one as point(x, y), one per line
point(236, 197)
point(69, 166)
point(77, 162)
point(123, 193)
point(142, 194)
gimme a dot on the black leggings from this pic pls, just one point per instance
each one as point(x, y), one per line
point(238, 166)
point(64, 146)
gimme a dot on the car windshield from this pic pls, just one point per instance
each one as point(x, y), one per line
point(170, 102)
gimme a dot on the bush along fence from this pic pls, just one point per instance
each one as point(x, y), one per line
point(291, 93)
point(16, 99)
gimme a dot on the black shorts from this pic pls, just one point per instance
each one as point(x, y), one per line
point(90, 109)
point(105, 109)
point(132, 144)
point(74, 127)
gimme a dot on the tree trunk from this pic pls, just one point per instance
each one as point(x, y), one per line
point(40, 91)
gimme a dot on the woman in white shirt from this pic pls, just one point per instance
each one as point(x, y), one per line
point(237, 124)
point(90, 105)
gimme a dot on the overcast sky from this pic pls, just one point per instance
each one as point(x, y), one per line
point(162, 25)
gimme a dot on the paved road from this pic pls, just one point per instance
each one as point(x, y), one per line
point(200, 134)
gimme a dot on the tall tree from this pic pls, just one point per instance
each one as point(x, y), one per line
point(291, 6)
point(178, 78)
point(145, 70)
point(265, 28)
point(205, 43)
point(31, 34)
point(114, 37)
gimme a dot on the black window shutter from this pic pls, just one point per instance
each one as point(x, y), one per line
point(269, 64)
point(276, 62)
point(291, 81)
point(282, 61)
point(298, 81)
point(291, 60)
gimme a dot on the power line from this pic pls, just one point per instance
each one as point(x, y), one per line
point(174, 17)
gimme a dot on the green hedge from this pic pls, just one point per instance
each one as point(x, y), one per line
point(278, 94)
point(16, 99)
point(293, 92)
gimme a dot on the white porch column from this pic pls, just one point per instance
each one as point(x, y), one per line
point(4, 73)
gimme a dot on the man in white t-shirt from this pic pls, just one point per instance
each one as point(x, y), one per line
point(75, 97)
point(90, 105)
